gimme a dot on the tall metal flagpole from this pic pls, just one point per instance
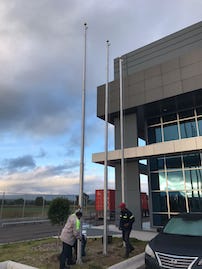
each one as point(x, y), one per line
point(121, 130)
point(79, 256)
point(105, 235)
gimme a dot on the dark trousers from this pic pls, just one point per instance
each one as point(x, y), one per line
point(65, 255)
point(126, 239)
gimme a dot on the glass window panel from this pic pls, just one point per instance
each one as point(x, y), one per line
point(159, 202)
point(156, 164)
point(162, 181)
point(170, 117)
point(154, 135)
point(170, 132)
point(192, 160)
point(195, 201)
point(160, 219)
point(199, 111)
point(193, 179)
point(153, 121)
point(154, 181)
point(153, 164)
point(173, 162)
point(186, 114)
point(177, 201)
point(158, 181)
point(160, 163)
point(200, 126)
point(188, 129)
point(175, 180)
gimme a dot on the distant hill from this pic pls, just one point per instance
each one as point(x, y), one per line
point(47, 197)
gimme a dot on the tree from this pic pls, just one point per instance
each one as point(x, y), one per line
point(39, 201)
point(58, 211)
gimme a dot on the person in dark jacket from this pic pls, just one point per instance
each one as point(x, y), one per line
point(125, 225)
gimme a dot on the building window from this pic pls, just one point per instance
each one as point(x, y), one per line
point(170, 132)
point(174, 126)
point(176, 185)
point(155, 135)
point(200, 126)
point(188, 129)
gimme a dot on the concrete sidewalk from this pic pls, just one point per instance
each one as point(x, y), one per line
point(138, 260)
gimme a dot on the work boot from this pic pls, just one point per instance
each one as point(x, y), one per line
point(126, 256)
point(131, 249)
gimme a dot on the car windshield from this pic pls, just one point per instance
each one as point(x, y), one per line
point(184, 226)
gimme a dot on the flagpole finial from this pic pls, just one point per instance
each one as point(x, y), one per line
point(108, 43)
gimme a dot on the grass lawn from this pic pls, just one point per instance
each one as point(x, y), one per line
point(44, 254)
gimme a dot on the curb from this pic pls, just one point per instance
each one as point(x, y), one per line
point(134, 262)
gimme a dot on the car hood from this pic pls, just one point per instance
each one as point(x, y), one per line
point(177, 244)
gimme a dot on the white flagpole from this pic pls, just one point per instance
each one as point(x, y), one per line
point(79, 256)
point(121, 130)
point(105, 237)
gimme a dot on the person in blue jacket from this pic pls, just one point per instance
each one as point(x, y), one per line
point(125, 225)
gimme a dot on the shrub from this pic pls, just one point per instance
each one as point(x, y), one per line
point(58, 211)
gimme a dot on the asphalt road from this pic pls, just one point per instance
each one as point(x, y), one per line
point(22, 232)
point(28, 231)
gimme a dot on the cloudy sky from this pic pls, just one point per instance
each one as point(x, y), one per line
point(41, 58)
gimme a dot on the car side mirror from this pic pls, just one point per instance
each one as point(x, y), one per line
point(159, 229)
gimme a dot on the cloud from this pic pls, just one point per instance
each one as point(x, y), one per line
point(20, 163)
point(41, 56)
point(62, 179)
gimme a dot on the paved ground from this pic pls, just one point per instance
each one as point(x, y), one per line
point(15, 232)
point(20, 232)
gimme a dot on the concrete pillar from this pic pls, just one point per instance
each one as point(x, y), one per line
point(132, 190)
point(132, 176)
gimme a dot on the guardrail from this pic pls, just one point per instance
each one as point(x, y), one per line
point(5, 223)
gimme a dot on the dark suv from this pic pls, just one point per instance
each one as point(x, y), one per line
point(178, 245)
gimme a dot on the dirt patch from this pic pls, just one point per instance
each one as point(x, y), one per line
point(94, 259)
point(44, 254)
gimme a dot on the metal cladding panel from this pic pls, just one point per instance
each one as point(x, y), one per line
point(111, 200)
point(166, 68)
point(99, 200)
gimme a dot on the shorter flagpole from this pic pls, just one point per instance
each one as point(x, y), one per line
point(121, 131)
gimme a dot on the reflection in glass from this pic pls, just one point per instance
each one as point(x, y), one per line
point(169, 117)
point(170, 132)
point(186, 114)
point(195, 201)
point(192, 160)
point(153, 121)
point(158, 181)
point(177, 201)
point(154, 135)
point(159, 202)
point(200, 126)
point(188, 129)
point(156, 164)
point(175, 180)
point(193, 179)
point(160, 219)
point(199, 110)
point(173, 162)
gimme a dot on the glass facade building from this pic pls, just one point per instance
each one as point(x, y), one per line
point(162, 105)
